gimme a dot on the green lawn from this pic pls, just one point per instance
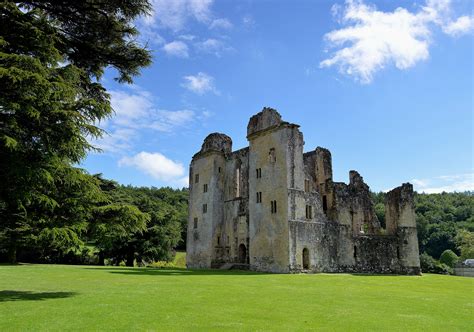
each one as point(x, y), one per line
point(58, 297)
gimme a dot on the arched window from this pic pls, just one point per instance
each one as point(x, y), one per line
point(305, 259)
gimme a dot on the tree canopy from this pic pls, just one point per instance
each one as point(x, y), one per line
point(52, 54)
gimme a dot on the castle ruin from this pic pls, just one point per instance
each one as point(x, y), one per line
point(270, 207)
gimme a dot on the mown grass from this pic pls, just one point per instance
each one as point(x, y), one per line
point(58, 297)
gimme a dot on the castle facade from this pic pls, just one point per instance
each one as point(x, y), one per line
point(270, 207)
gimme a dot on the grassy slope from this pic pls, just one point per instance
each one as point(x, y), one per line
point(58, 297)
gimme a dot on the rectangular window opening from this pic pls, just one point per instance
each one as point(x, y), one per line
point(204, 208)
point(309, 212)
point(273, 205)
point(325, 203)
point(259, 173)
point(205, 187)
point(218, 240)
point(306, 186)
point(195, 223)
point(196, 178)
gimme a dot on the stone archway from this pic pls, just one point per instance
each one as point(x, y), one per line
point(305, 259)
point(242, 254)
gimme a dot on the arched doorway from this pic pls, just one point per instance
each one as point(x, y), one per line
point(305, 259)
point(242, 254)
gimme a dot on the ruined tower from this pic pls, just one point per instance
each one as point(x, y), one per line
point(271, 207)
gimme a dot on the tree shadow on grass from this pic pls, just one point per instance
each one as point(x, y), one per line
point(11, 295)
point(172, 271)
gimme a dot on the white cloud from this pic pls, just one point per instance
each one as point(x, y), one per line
point(447, 183)
point(130, 107)
point(174, 14)
point(370, 39)
point(220, 23)
point(166, 121)
point(212, 46)
point(116, 140)
point(200, 83)
point(135, 112)
point(177, 48)
point(187, 37)
point(157, 166)
point(461, 26)
point(248, 21)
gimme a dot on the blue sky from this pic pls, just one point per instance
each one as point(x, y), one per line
point(387, 86)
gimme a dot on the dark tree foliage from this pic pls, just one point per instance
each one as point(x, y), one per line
point(440, 218)
point(51, 55)
point(166, 209)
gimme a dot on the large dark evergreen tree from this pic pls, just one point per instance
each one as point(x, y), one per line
point(52, 54)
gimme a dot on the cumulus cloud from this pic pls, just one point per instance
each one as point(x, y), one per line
point(461, 26)
point(446, 183)
point(200, 83)
point(370, 39)
point(157, 166)
point(176, 48)
point(174, 14)
point(172, 18)
point(220, 23)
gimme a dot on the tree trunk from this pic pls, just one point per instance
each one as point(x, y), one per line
point(101, 259)
point(130, 259)
point(12, 255)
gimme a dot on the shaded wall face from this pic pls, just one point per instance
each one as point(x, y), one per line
point(234, 232)
point(268, 230)
point(400, 219)
point(320, 241)
point(207, 207)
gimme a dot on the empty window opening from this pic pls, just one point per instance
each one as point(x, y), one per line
point(398, 252)
point(271, 155)
point(306, 185)
point(218, 240)
point(195, 223)
point(196, 178)
point(205, 188)
point(273, 205)
point(309, 212)
point(355, 252)
point(228, 240)
point(325, 203)
point(259, 197)
point(237, 182)
point(242, 254)
point(204, 208)
point(305, 258)
point(219, 170)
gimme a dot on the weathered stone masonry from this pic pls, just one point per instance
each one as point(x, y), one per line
point(273, 208)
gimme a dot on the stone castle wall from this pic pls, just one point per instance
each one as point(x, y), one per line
point(274, 208)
